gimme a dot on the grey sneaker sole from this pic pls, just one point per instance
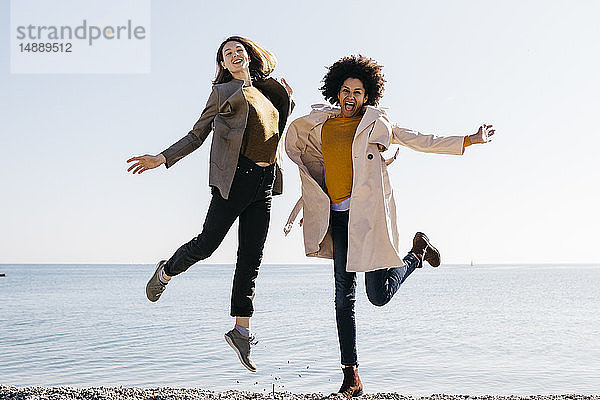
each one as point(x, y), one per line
point(230, 343)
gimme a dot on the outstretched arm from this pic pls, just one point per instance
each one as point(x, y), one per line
point(440, 144)
point(183, 146)
point(428, 143)
point(197, 135)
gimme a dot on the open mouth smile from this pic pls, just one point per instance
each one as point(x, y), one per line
point(349, 105)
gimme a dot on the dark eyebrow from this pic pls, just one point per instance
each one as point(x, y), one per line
point(347, 87)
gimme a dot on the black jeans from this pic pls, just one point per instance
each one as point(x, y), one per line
point(381, 285)
point(250, 201)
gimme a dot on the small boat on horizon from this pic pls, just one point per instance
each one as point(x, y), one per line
point(2, 275)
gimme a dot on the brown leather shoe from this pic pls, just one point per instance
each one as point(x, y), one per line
point(424, 250)
point(351, 386)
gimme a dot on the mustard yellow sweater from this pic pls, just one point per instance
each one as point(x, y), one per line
point(336, 144)
point(261, 135)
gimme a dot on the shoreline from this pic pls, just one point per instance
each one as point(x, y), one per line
point(168, 393)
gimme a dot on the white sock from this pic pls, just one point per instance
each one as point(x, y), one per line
point(161, 277)
point(245, 332)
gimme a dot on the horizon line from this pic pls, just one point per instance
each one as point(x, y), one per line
point(316, 263)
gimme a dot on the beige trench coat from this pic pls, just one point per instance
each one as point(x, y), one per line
point(372, 227)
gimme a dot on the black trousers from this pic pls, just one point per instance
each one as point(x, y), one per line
point(250, 201)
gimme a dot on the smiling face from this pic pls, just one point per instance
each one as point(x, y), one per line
point(352, 97)
point(235, 57)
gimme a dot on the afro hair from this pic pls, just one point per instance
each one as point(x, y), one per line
point(358, 67)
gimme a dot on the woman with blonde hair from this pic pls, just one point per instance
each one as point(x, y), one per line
point(247, 113)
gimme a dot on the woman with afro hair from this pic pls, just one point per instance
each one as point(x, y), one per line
point(349, 212)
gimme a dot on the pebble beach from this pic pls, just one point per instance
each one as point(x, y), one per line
point(122, 393)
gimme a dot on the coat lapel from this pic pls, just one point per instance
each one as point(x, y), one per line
point(371, 115)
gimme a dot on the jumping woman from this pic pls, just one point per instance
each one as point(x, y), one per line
point(349, 211)
point(247, 113)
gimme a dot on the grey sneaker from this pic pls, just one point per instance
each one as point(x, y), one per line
point(241, 346)
point(155, 287)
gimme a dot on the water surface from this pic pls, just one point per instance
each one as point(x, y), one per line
point(490, 329)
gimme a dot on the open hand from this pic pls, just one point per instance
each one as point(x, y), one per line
point(484, 134)
point(145, 162)
point(287, 87)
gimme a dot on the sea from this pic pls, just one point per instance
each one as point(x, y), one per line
point(457, 329)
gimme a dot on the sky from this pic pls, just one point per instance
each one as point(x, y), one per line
point(530, 68)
